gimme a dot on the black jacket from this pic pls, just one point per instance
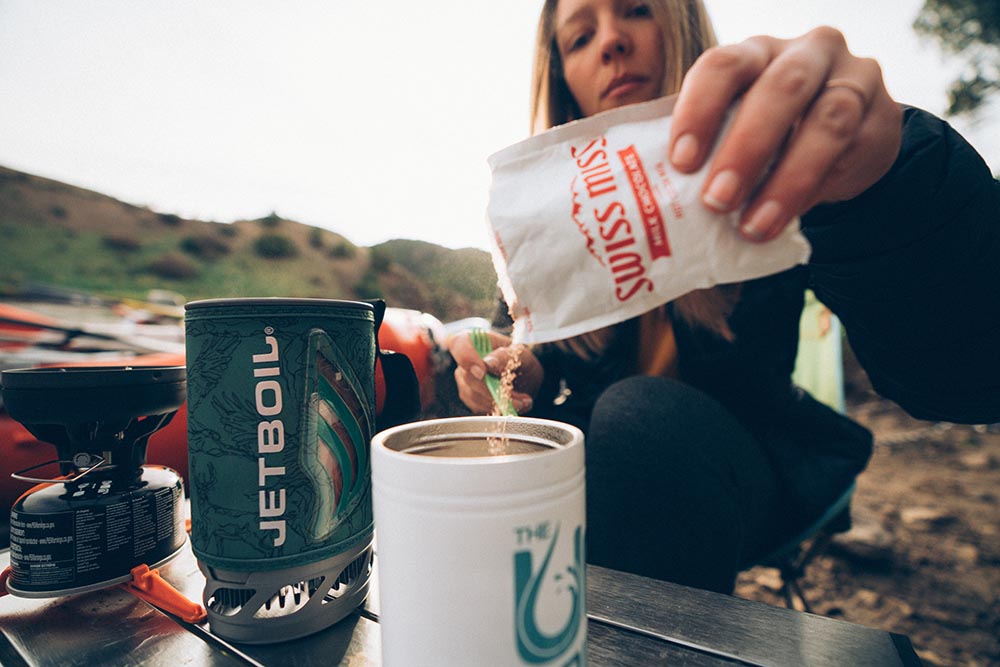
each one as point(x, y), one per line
point(912, 269)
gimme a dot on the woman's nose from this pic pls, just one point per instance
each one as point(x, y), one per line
point(615, 43)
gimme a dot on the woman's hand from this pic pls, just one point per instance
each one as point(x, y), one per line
point(816, 118)
point(472, 369)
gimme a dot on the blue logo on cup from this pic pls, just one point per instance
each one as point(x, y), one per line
point(533, 644)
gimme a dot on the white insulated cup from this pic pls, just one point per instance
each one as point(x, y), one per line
point(479, 532)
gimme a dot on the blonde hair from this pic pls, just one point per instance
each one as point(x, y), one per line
point(687, 33)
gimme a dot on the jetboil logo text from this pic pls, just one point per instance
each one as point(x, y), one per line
point(270, 437)
point(555, 585)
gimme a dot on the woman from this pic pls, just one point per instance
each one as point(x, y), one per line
point(701, 453)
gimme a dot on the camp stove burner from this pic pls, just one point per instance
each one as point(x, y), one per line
point(106, 512)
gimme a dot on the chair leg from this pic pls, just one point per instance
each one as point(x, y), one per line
point(795, 592)
point(792, 559)
point(793, 569)
point(786, 591)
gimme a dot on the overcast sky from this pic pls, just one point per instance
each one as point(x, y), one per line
point(373, 119)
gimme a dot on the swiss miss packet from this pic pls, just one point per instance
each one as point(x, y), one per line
point(592, 226)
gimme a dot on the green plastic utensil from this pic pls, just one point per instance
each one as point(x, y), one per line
point(483, 345)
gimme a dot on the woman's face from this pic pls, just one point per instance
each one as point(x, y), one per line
point(612, 52)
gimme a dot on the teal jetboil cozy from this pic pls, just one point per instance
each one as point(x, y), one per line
point(281, 410)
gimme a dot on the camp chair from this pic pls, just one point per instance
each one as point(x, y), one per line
point(793, 556)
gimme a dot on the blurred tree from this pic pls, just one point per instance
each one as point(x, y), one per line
point(970, 29)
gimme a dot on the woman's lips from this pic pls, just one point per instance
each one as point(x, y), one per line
point(624, 85)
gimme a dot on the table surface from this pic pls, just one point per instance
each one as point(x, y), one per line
point(631, 621)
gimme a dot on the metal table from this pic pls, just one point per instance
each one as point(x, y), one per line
point(633, 621)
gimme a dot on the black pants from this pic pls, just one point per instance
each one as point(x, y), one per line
point(677, 489)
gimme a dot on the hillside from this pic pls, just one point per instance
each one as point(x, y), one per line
point(60, 235)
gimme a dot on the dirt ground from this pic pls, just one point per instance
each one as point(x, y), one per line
point(923, 556)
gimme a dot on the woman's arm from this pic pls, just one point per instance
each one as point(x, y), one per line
point(912, 268)
point(903, 215)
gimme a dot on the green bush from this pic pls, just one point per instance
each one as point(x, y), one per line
point(271, 221)
point(58, 211)
point(121, 242)
point(204, 246)
point(170, 219)
point(343, 250)
point(379, 260)
point(368, 287)
point(275, 246)
point(173, 266)
point(316, 237)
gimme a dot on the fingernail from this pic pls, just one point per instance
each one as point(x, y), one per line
point(523, 404)
point(478, 372)
point(685, 152)
point(762, 221)
point(722, 191)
